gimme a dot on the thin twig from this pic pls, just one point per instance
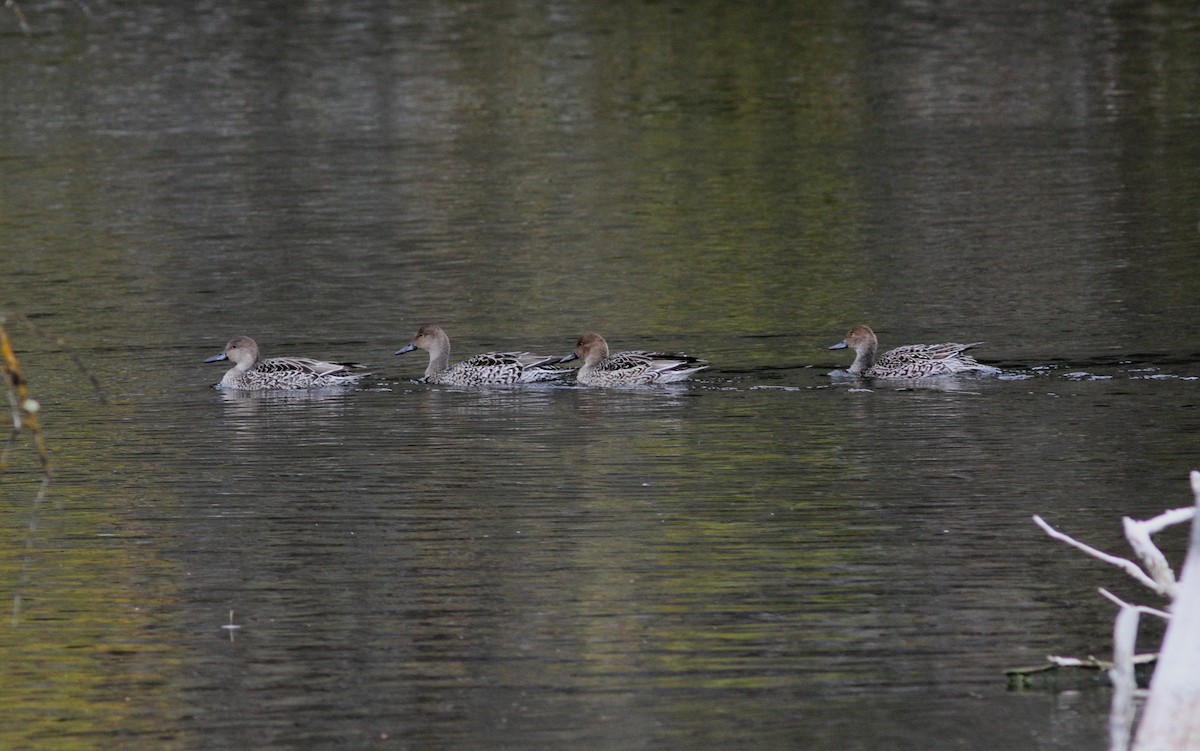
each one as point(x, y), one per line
point(20, 14)
point(1140, 608)
point(24, 407)
point(1127, 565)
point(1094, 663)
point(66, 350)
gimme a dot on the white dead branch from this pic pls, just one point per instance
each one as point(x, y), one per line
point(1171, 720)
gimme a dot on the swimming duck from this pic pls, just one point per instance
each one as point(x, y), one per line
point(629, 368)
point(910, 361)
point(489, 368)
point(250, 372)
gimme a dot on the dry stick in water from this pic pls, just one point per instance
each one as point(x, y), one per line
point(1122, 673)
point(70, 353)
point(1124, 680)
point(24, 408)
point(24, 415)
point(1172, 718)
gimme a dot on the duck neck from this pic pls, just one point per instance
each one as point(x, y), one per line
point(439, 360)
point(593, 359)
point(863, 359)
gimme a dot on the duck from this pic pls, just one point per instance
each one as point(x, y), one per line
point(252, 373)
point(910, 361)
point(486, 369)
point(631, 368)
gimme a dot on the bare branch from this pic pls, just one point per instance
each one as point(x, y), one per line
point(1169, 518)
point(1120, 720)
point(66, 349)
point(1138, 534)
point(1125, 564)
point(24, 408)
point(1140, 608)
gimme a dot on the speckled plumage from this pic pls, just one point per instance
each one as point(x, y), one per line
point(910, 361)
point(487, 369)
point(631, 368)
point(251, 373)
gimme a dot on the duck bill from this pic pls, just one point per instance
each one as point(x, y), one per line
point(569, 358)
point(218, 358)
point(840, 345)
point(408, 348)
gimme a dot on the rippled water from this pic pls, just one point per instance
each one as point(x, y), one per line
point(766, 557)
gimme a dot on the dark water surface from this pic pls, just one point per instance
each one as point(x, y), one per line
point(766, 557)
